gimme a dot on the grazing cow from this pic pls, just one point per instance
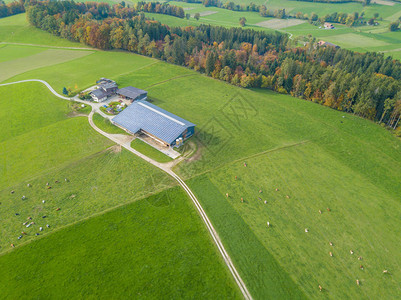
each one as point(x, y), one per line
point(385, 272)
point(47, 183)
point(28, 185)
point(58, 209)
point(12, 245)
point(43, 201)
point(23, 232)
point(245, 165)
point(260, 198)
point(265, 202)
point(328, 209)
point(320, 288)
point(227, 195)
point(277, 190)
point(357, 282)
point(56, 181)
point(65, 179)
point(49, 187)
point(23, 198)
point(331, 254)
point(12, 192)
point(242, 200)
point(330, 243)
point(24, 223)
point(361, 267)
point(360, 258)
point(350, 251)
point(29, 218)
point(260, 191)
point(306, 230)
point(20, 237)
point(268, 224)
point(288, 197)
point(40, 228)
point(320, 212)
point(47, 225)
point(236, 177)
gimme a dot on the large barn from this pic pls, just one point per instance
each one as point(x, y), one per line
point(157, 123)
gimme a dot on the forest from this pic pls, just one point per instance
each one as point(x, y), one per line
point(366, 84)
point(11, 8)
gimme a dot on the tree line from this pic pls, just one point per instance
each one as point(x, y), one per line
point(12, 8)
point(366, 84)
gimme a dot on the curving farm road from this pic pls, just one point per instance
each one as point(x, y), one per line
point(118, 139)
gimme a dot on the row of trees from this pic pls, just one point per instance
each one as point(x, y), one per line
point(366, 84)
point(11, 8)
point(97, 10)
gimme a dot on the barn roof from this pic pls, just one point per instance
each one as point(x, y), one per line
point(99, 93)
point(131, 92)
point(142, 115)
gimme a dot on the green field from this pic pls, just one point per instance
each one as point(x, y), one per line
point(74, 178)
point(15, 29)
point(105, 125)
point(156, 248)
point(318, 157)
point(149, 151)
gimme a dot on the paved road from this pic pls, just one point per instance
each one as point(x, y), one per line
point(118, 139)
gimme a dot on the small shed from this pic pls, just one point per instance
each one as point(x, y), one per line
point(132, 93)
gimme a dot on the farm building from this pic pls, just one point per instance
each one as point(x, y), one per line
point(328, 26)
point(327, 44)
point(105, 90)
point(157, 123)
point(132, 93)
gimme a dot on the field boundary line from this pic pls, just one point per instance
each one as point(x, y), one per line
point(171, 79)
point(249, 157)
point(215, 237)
point(100, 213)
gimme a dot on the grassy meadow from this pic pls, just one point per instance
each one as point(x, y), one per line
point(71, 178)
point(155, 248)
point(318, 157)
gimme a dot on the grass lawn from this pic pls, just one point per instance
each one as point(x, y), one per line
point(105, 125)
point(150, 151)
point(156, 248)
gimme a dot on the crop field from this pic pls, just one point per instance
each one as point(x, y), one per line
point(249, 143)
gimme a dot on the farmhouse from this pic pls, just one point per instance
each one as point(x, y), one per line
point(157, 123)
point(132, 93)
point(106, 88)
point(328, 26)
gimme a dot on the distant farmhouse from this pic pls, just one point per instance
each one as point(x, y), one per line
point(328, 26)
point(105, 89)
point(327, 44)
point(131, 93)
point(155, 122)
